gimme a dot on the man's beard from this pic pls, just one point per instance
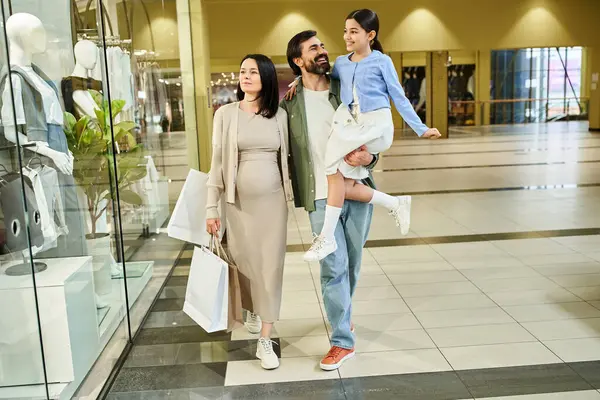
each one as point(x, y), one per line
point(314, 68)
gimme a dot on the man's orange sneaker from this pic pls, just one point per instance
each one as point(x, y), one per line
point(335, 358)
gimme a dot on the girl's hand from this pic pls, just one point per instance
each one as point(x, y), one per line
point(292, 90)
point(432, 133)
point(213, 226)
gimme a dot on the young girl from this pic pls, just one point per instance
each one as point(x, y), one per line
point(368, 79)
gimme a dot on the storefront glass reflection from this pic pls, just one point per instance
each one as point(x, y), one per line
point(93, 133)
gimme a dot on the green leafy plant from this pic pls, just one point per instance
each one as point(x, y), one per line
point(91, 142)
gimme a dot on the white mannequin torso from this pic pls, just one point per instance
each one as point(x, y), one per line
point(26, 37)
point(86, 57)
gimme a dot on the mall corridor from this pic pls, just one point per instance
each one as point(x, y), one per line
point(107, 107)
point(495, 293)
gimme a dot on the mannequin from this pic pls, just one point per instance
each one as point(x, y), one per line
point(78, 100)
point(40, 123)
point(422, 95)
point(76, 94)
point(26, 37)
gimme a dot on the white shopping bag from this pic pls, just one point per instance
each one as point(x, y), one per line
point(188, 222)
point(207, 294)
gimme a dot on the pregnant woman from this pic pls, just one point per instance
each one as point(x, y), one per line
point(249, 166)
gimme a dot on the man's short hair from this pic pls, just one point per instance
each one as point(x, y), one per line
point(294, 49)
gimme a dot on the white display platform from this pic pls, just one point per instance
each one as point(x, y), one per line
point(67, 313)
point(84, 350)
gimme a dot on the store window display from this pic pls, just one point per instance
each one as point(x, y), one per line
point(39, 121)
point(461, 94)
point(414, 84)
point(91, 123)
point(78, 305)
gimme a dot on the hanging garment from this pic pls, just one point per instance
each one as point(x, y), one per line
point(73, 243)
point(46, 187)
point(48, 228)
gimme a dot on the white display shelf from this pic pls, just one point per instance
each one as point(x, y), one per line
point(84, 347)
point(67, 314)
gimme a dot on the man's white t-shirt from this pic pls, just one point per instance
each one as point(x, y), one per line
point(319, 115)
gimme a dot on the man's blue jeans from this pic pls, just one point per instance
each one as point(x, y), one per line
point(340, 270)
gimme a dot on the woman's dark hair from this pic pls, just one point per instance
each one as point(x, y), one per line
point(269, 94)
point(294, 49)
point(369, 21)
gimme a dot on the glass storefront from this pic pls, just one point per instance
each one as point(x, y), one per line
point(537, 85)
point(92, 156)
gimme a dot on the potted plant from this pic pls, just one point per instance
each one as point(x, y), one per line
point(96, 154)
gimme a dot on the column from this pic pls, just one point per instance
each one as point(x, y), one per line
point(437, 91)
point(483, 71)
point(594, 88)
point(201, 68)
point(187, 82)
point(398, 121)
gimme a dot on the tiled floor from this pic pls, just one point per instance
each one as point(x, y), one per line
point(494, 293)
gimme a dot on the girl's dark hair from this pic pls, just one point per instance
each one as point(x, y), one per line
point(269, 94)
point(369, 21)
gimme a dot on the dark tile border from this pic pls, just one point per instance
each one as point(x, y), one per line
point(431, 386)
point(525, 380)
point(175, 304)
point(537, 164)
point(170, 377)
point(195, 353)
point(484, 237)
point(416, 142)
point(179, 334)
point(525, 150)
point(331, 389)
point(500, 189)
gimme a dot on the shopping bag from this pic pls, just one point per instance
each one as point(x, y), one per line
point(207, 293)
point(188, 221)
point(239, 289)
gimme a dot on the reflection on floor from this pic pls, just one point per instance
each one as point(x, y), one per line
point(495, 292)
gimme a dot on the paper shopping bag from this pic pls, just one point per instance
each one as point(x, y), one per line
point(188, 221)
point(239, 294)
point(207, 293)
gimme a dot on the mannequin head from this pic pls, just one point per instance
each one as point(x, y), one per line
point(26, 32)
point(86, 54)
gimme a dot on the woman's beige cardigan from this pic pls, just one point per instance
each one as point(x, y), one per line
point(224, 165)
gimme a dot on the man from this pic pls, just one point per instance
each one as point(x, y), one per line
point(310, 113)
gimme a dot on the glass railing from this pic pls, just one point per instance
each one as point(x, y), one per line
point(517, 111)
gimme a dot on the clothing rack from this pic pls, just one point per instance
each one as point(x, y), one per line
point(108, 40)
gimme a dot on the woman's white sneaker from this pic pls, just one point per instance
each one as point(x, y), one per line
point(253, 323)
point(266, 355)
point(401, 214)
